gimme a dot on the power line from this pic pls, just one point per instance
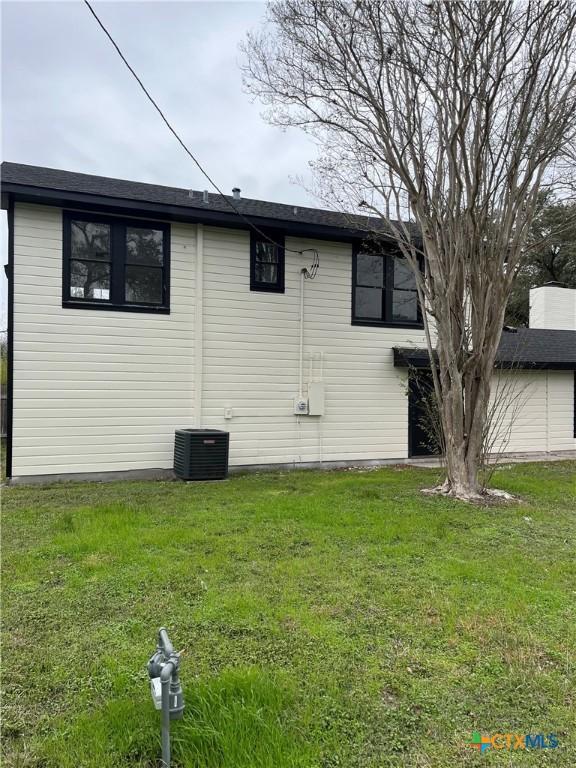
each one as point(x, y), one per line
point(314, 268)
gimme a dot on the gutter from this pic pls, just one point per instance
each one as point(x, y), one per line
point(405, 357)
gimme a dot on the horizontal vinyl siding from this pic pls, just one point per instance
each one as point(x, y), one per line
point(536, 411)
point(561, 410)
point(251, 351)
point(519, 418)
point(95, 390)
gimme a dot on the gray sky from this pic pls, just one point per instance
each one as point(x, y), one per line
point(69, 102)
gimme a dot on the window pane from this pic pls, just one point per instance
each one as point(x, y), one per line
point(90, 240)
point(89, 280)
point(370, 270)
point(266, 266)
point(266, 252)
point(405, 306)
point(144, 285)
point(369, 303)
point(266, 273)
point(403, 275)
point(144, 246)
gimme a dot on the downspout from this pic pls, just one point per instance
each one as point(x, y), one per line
point(10, 340)
point(199, 326)
point(547, 400)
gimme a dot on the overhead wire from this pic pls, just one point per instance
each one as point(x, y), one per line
point(311, 273)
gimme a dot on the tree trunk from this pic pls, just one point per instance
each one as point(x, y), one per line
point(462, 464)
point(463, 450)
point(464, 401)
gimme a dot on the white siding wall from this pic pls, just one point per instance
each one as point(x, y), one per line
point(560, 385)
point(534, 411)
point(102, 391)
point(95, 390)
point(251, 352)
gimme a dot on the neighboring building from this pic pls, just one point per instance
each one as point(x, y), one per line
point(136, 309)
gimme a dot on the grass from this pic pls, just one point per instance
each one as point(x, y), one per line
point(335, 619)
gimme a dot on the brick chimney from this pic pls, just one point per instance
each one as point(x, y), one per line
point(553, 306)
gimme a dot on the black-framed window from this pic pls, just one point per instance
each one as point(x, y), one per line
point(267, 261)
point(384, 290)
point(113, 263)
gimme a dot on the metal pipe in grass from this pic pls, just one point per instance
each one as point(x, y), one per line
point(163, 669)
point(165, 678)
point(164, 642)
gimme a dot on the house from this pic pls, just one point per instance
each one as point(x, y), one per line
point(137, 309)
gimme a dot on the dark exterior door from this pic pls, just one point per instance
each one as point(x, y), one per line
point(422, 419)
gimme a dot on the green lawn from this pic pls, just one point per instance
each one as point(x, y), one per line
point(336, 619)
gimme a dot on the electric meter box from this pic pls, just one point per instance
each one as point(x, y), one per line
point(316, 398)
point(300, 406)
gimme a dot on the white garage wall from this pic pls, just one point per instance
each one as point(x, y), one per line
point(561, 410)
point(534, 411)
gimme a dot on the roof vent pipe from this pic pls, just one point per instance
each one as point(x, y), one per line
point(236, 193)
point(205, 196)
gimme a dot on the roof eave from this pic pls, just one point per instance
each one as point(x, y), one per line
point(419, 358)
point(117, 205)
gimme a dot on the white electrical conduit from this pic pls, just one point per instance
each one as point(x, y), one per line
point(301, 351)
point(198, 326)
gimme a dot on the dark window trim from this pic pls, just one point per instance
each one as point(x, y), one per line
point(277, 237)
point(117, 264)
point(386, 293)
point(386, 324)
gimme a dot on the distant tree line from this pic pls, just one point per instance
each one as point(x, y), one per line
point(551, 259)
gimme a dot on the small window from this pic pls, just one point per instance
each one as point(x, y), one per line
point(384, 291)
point(267, 262)
point(113, 263)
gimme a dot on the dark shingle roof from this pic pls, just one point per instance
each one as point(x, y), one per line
point(119, 189)
point(538, 346)
point(527, 348)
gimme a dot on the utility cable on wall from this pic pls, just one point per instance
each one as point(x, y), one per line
point(311, 273)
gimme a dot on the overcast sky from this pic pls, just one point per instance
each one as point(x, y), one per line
point(69, 102)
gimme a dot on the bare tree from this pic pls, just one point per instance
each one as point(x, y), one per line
point(451, 116)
